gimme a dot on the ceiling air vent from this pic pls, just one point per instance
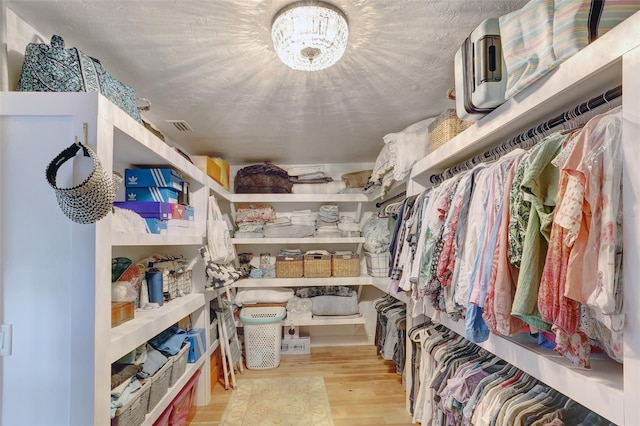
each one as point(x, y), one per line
point(181, 125)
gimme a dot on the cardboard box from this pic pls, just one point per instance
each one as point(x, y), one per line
point(197, 339)
point(121, 312)
point(147, 209)
point(299, 346)
point(163, 195)
point(159, 178)
point(178, 211)
point(215, 167)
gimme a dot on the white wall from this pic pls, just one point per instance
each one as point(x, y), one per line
point(18, 34)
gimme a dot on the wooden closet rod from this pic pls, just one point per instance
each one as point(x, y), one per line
point(537, 131)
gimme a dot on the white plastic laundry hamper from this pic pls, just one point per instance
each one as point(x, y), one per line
point(262, 336)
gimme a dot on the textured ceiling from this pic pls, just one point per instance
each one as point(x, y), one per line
point(212, 64)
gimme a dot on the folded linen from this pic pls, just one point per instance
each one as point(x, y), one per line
point(334, 187)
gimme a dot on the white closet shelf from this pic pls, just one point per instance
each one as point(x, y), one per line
point(605, 398)
point(173, 392)
point(299, 198)
point(147, 324)
point(302, 282)
point(383, 285)
point(592, 71)
point(346, 320)
point(310, 240)
point(128, 239)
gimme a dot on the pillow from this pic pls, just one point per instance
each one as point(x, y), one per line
point(527, 44)
point(384, 163)
point(407, 147)
point(272, 295)
point(571, 23)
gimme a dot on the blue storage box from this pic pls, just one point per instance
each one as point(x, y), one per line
point(189, 213)
point(156, 226)
point(196, 339)
point(163, 195)
point(147, 209)
point(160, 178)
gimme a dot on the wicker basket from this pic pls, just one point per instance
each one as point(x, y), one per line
point(133, 412)
point(317, 265)
point(289, 266)
point(179, 365)
point(357, 179)
point(178, 284)
point(159, 384)
point(345, 265)
point(444, 128)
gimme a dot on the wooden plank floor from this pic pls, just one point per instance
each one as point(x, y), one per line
point(363, 388)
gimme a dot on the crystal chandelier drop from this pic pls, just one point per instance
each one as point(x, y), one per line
point(310, 36)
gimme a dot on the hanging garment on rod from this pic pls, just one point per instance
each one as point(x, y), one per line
point(461, 384)
point(497, 277)
point(532, 135)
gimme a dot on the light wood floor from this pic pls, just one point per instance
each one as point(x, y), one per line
point(363, 388)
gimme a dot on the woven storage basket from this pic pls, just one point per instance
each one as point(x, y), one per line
point(317, 265)
point(345, 265)
point(159, 384)
point(133, 412)
point(289, 266)
point(444, 128)
point(178, 284)
point(357, 179)
point(179, 364)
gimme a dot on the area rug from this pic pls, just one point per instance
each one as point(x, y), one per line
point(300, 401)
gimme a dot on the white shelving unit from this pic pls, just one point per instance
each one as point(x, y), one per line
point(607, 389)
point(56, 274)
point(355, 204)
point(303, 282)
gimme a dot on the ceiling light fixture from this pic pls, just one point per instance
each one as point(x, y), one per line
point(310, 35)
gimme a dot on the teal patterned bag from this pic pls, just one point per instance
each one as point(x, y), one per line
point(52, 68)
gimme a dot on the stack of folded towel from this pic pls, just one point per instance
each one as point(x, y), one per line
point(313, 180)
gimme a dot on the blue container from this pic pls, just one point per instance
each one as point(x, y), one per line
point(161, 178)
point(154, 282)
point(163, 195)
point(147, 209)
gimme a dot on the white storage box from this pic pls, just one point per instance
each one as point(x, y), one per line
point(298, 346)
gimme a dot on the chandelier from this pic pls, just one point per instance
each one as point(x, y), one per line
point(310, 35)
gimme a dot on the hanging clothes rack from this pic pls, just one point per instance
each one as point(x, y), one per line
point(531, 135)
point(390, 199)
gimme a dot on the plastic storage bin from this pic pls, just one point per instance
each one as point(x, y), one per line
point(182, 411)
point(262, 336)
point(378, 264)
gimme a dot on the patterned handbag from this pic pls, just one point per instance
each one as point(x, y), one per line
point(52, 68)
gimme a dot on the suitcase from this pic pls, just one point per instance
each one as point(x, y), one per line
point(480, 72)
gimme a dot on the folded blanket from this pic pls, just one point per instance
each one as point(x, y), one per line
point(121, 373)
point(332, 290)
point(335, 305)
